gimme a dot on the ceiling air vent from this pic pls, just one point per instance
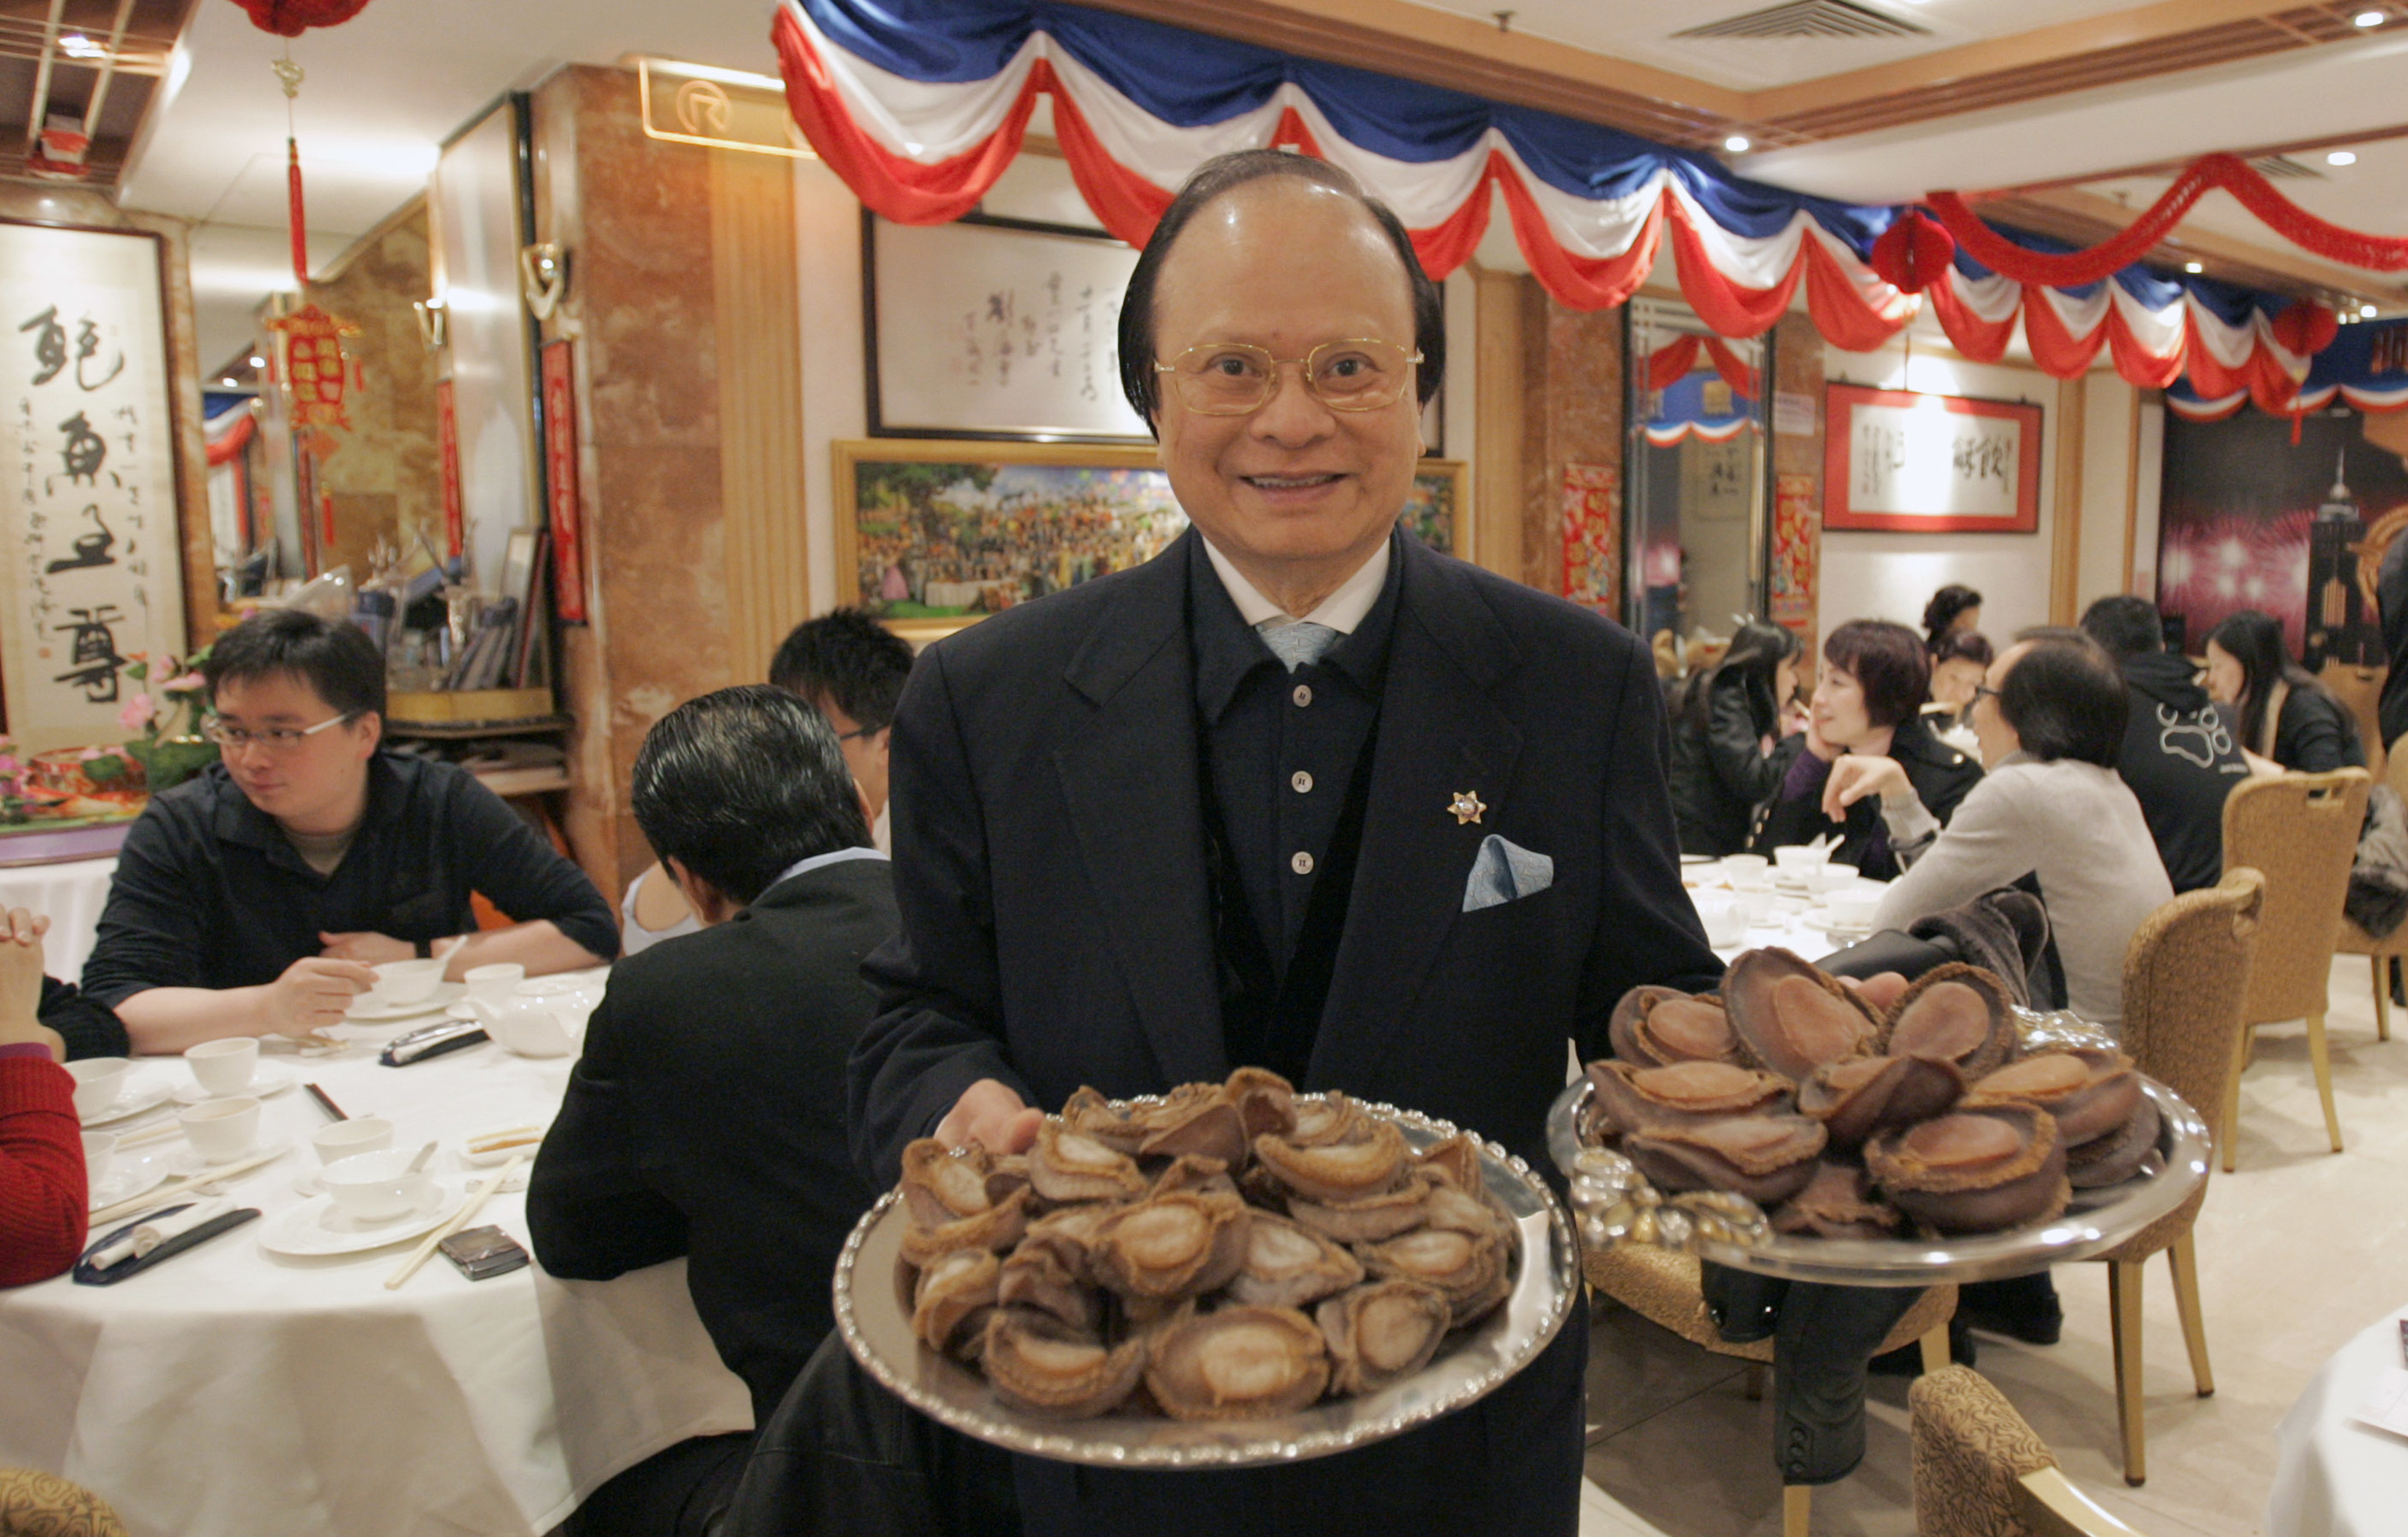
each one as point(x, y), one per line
point(2276, 167)
point(1810, 18)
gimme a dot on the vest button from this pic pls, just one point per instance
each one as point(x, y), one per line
point(1303, 694)
point(1302, 781)
point(1301, 862)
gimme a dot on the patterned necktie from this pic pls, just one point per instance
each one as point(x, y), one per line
point(1299, 643)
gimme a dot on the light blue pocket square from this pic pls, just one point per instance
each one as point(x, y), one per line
point(1505, 871)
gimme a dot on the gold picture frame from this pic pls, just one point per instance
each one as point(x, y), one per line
point(1024, 518)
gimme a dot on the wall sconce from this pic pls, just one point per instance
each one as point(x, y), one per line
point(543, 278)
point(433, 328)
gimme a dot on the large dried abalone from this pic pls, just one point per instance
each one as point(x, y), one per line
point(1656, 1026)
point(1289, 1266)
point(1039, 1366)
point(1766, 1158)
point(2089, 1093)
point(1858, 1095)
point(1179, 1244)
point(1955, 1013)
point(1640, 1099)
point(1382, 1332)
point(1066, 1165)
point(1839, 1202)
point(1976, 1170)
point(953, 1294)
point(1370, 1158)
point(1791, 1018)
point(1238, 1362)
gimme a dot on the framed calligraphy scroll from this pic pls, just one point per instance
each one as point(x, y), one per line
point(94, 575)
point(1937, 464)
point(931, 537)
point(994, 329)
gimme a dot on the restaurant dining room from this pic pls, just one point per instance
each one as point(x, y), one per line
point(974, 768)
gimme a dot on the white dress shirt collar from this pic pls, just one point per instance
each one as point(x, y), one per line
point(1341, 610)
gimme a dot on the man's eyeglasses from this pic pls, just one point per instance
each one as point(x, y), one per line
point(276, 739)
point(1232, 378)
point(1982, 691)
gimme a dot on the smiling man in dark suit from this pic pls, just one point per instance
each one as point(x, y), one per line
point(1297, 793)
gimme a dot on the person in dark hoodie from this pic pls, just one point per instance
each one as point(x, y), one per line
point(2181, 754)
point(1726, 757)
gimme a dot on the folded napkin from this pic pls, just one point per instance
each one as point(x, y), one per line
point(1504, 871)
point(138, 1240)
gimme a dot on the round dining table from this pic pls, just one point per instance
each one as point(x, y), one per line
point(2334, 1476)
point(236, 1390)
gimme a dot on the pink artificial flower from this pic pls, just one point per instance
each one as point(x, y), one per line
point(9, 766)
point(138, 712)
point(188, 683)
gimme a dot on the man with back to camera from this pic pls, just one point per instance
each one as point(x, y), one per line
point(718, 1132)
point(1297, 793)
point(2179, 755)
point(253, 897)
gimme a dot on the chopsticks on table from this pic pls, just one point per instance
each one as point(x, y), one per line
point(325, 1104)
point(466, 1214)
point(183, 1185)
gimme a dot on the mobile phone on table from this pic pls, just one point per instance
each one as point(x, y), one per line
point(480, 1252)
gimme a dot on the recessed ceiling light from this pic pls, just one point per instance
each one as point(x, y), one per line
point(2369, 18)
point(2342, 157)
point(259, 362)
point(228, 382)
point(77, 46)
point(2193, 267)
point(1736, 144)
point(2366, 310)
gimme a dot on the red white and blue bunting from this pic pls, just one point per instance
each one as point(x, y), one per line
point(2366, 367)
point(919, 105)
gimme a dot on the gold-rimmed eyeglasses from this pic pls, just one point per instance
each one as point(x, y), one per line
point(1232, 378)
point(276, 739)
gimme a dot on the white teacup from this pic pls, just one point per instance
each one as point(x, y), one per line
point(1800, 857)
point(348, 1139)
point(1855, 906)
point(224, 1067)
point(493, 983)
point(1830, 878)
point(1758, 902)
point(99, 1080)
point(376, 1186)
point(1738, 865)
point(99, 1152)
point(1724, 919)
point(526, 1026)
point(407, 980)
point(221, 1130)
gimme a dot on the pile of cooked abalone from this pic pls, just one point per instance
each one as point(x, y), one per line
point(1844, 1122)
point(1234, 1251)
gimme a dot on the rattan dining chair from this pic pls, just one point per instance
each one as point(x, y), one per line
point(1663, 1287)
point(2301, 832)
point(41, 1504)
point(2357, 941)
point(1981, 1470)
point(2185, 975)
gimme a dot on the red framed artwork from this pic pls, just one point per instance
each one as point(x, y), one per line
point(560, 479)
point(1930, 464)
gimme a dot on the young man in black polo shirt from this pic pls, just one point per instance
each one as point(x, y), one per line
point(253, 897)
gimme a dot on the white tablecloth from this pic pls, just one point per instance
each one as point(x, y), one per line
point(234, 1391)
point(1798, 924)
point(2333, 1476)
point(72, 895)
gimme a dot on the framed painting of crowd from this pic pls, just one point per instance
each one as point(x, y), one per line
point(932, 535)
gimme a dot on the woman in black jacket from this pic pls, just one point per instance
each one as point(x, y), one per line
point(1726, 757)
point(2285, 714)
point(1868, 699)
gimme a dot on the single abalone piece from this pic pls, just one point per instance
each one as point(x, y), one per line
point(2117, 1155)
point(1656, 1026)
point(942, 1183)
point(1288, 1266)
point(1382, 1332)
point(1177, 1244)
point(1955, 1013)
point(957, 1288)
point(1791, 1018)
point(1372, 1157)
point(2090, 1092)
point(1039, 1366)
point(1368, 1217)
point(1329, 1117)
point(1468, 1270)
point(1640, 1099)
point(1839, 1202)
point(1858, 1095)
point(1977, 1169)
point(1266, 1102)
point(1238, 1362)
point(995, 1229)
point(1767, 1158)
point(1066, 1166)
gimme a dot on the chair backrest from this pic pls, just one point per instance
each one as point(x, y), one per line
point(41, 1504)
point(1980, 1471)
point(2301, 832)
point(2185, 978)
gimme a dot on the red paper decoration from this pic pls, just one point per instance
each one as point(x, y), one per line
point(1913, 252)
point(2306, 328)
point(292, 18)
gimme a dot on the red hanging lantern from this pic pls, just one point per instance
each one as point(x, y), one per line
point(315, 371)
point(2306, 328)
point(1913, 252)
point(292, 18)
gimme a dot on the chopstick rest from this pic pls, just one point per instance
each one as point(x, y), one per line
point(156, 1238)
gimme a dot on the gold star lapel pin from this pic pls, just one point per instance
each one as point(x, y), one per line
point(1467, 806)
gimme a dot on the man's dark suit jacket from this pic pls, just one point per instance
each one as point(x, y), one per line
point(706, 1118)
point(1056, 926)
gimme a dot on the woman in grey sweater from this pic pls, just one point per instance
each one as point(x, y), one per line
point(2050, 716)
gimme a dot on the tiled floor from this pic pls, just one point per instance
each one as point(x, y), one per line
point(2298, 1251)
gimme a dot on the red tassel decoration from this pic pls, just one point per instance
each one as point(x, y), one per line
point(300, 223)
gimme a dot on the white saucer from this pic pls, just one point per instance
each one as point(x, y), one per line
point(133, 1099)
point(265, 1080)
point(1697, 858)
point(130, 1174)
point(366, 1010)
point(315, 1229)
point(186, 1161)
point(1820, 920)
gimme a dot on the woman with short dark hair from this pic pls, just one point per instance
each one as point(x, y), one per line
point(1728, 756)
point(2050, 718)
point(1867, 704)
point(1953, 607)
point(2285, 714)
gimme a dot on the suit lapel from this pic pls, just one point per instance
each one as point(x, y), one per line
point(1129, 775)
point(1439, 734)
